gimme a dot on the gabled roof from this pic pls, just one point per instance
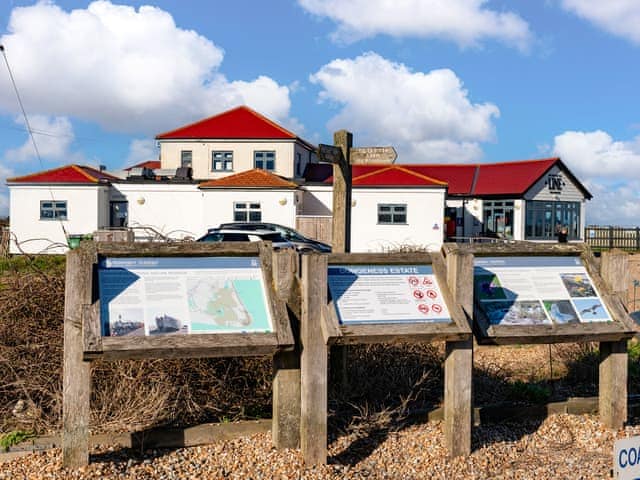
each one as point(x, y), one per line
point(256, 178)
point(483, 179)
point(78, 174)
point(152, 164)
point(391, 176)
point(238, 123)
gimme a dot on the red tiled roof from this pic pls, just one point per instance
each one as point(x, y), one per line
point(391, 176)
point(66, 174)
point(239, 122)
point(485, 179)
point(152, 164)
point(256, 178)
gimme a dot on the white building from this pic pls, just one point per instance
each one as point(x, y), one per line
point(240, 166)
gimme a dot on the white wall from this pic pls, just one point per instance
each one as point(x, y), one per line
point(242, 155)
point(425, 214)
point(317, 200)
point(277, 206)
point(85, 214)
point(172, 209)
point(569, 193)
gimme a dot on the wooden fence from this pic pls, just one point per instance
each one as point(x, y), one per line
point(4, 242)
point(316, 227)
point(604, 238)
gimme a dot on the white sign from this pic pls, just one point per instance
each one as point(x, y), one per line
point(386, 294)
point(374, 155)
point(626, 459)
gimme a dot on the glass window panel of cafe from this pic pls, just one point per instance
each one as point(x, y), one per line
point(498, 218)
point(544, 219)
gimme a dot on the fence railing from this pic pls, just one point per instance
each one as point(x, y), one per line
point(600, 238)
point(315, 226)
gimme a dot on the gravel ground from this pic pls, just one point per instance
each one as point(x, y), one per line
point(561, 447)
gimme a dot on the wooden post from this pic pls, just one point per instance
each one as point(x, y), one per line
point(76, 389)
point(612, 396)
point(313, 362)
point(458, 364)
point(285, 428)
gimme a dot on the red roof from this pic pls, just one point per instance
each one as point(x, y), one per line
point(152, 164)
point(240, 122)
point(67, 174)
point(255, 178)
point(391, 176)
point(484, 179)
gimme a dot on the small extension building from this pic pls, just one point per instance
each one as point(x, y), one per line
point(241, 166)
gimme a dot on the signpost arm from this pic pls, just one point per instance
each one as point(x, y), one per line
point(76, 389)
point(458, 364)
point(286, 365)
point(313, 362)
point(612, 395)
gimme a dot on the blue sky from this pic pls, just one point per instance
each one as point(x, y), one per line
point(442, 81)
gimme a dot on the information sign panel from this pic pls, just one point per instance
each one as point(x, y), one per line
point(366, 294)
point(142, 296)
point(626, 459)
point(536, 290)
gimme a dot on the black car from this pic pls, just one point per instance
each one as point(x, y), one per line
point(301, 242)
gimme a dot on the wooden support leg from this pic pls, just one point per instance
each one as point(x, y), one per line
point(613, 384)
point(286, 400)
point(458, 401)
point(76, 388)
point(313, 362)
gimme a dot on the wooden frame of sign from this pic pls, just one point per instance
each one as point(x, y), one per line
point(83, 340)
point(320, 327)
point(486, 334)
point(611, 281)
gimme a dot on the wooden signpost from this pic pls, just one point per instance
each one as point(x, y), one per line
point(156, 320)
point(553, 293)
point(373, 155)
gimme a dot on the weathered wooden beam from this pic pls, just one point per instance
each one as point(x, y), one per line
point(342, 194)
point(313, 362)
point(285, 429)
point(76, 383)
point(613, 384)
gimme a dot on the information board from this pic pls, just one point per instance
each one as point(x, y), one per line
point(366, 294)
point(182, 295)
point(536, 290)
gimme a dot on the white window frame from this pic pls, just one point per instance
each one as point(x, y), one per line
point(394, 210)
point(224, 162)
point(247, 212)
point(56, 208)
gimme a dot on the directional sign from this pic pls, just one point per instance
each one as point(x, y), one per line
point(374, 155)
point(330, 153)
point(626, 458)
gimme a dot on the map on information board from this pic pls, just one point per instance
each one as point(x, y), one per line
point(386, 294)
point(187, 295)
point(536, 291)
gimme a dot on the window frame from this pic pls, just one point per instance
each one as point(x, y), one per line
point(247, 211)
point(264, 160)
point(55, 210)
point(547, 216)
point(224, 160)
point(395, 209)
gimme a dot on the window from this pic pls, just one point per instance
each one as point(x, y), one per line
point(498, 218)
point(186, 157)
point(543, 219)
point(53, 210)
point(264, 160)
point(221, 161)
point(392, 213)
point(298, 164)
point(246, 212)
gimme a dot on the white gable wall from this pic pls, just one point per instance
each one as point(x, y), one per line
point(85, 214)
point(540, 191)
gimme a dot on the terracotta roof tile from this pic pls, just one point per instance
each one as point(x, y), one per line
point(152, 164)
point(255, 178)
point(66, 174)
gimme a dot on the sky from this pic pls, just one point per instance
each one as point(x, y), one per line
point(443, 81)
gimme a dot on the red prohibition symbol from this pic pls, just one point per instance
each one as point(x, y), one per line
point(427, 281)
point(432, 294)
point(424, 308)
point(418, 294)
point(436, 308)
point(413, 281)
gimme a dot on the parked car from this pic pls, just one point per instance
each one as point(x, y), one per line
point(235, 235)
point(301, 242)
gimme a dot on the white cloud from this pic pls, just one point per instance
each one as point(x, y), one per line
point(465, 22)
point(426, 116)
point(609, 170)
point(126, 69)
point(141, 150)
point(53, 137)
point(619, 17)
